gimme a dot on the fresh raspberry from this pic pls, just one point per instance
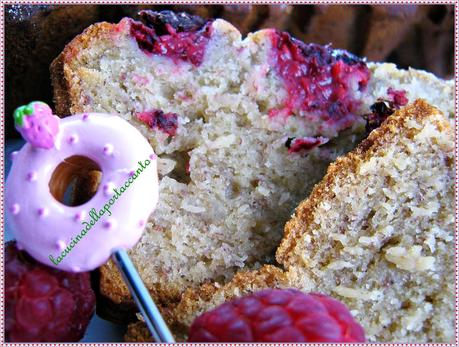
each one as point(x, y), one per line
point(276, 315)
point(44, 304)
point(321, 82)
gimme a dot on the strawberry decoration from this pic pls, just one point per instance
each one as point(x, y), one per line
point(37, 124)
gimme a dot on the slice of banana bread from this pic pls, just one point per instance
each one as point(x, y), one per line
point(243, 128)
point(376, 233)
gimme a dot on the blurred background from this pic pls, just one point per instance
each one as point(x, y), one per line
point(420, 36)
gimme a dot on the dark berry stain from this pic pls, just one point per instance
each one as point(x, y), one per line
point(179, 21)
point(181, 37)
point(289, 142)
point(397, 97)
point(384, 107)
point(301, 144)
point(318, 79)
point(157, 119)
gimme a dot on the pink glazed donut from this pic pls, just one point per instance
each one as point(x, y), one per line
point(79, 238)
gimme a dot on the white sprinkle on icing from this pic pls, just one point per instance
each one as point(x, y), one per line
point(73, 139)
point(43, 211)
point(60, 245)
point(108, 188)
point(32, 176)
point(108, 149)
point(79, 216)
point(110, 224)
point(15, 208)
point(14, 155)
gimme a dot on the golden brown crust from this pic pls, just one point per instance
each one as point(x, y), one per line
point(61, 87)
point(113, 287)
point(208, 296)
point(303, 217)
point(138, 332)
point(66, 91)
point(196, 301)
point(116, 303)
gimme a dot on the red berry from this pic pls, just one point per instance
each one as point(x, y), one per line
point(319, 80)
point(276, 315)
point(157, 119)
point(398, 97)
point(180, 45)
point(44, 304)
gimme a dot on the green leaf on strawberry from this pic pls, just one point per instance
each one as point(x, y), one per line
point(20, 112)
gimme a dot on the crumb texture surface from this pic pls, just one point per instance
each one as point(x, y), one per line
point(228, 183)
point(376, 233)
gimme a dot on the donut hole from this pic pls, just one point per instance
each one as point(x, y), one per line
point(75, 180)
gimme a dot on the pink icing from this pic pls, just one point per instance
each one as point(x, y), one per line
point(110, 224)
point(79, 216)
point(73, 139)
point(15, 209)
point(46, 227)
point(32, 176)
point(60, 245)
point(108, 149)
point(43, 212)
point(108, 189)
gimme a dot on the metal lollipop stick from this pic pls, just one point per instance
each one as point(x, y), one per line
point(150, 312)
